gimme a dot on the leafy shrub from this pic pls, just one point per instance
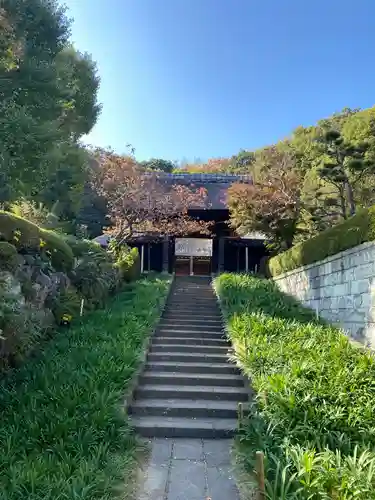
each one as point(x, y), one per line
point(313, 411)
point(34, 212)
point(25, 235)
point(67, 302)
point(8, 256)
point(21, 326)
point(358, 229)
point(95, 277)
point(128, 263)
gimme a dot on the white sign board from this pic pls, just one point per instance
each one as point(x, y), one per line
point(193, 247)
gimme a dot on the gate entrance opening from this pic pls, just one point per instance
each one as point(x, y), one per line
point(193, 256)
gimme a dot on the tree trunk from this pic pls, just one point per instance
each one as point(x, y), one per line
point(342, 203)
point(350, 194)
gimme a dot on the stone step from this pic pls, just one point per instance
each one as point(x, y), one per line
point(186, 408)
point(186, 367)
point(209, 392)
point(190, 332)
point(181, 378)
point(199, 323)
point(174, 427)
point(198, 340)
point(174, 357)
point(179, 332)
point(192, 300)
point(193, 305)
point(181, 348)
point(197, 315)
point(193, 321)
point(169, 333)
point(199, 297)
point(189, 328)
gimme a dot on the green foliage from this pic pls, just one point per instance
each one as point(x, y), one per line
point(21, 326)
point(34, 212)
point(69, 400)
point(127, 260)
point(26, 236)
point(128, 264)
point(67, 302)
point(158, 164)
point(82, 247)
point(95, 277)
point(49, 100)
point(8, 256)
point(313, 410)
point(92, 214)
point(356, 230)
point(334, 162)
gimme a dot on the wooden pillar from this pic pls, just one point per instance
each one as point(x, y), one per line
point(221, 266)
point(142, 258)
point(166, 254)
point(148, 257)
point(191, 263)
point(247, 259)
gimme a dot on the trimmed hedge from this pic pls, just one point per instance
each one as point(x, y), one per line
point(83, 247)
point(25, 235)
point(358, 229)
point(313, 414)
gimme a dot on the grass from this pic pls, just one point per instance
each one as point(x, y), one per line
point(63, 432)
point(313, 414)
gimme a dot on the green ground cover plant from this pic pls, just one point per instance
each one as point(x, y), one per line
point(313, 412)
point(63, 432)
point(352, 232)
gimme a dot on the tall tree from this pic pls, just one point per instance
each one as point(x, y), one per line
point(343, 166)
point(49, 98)
point(158, 165)
point(140, 201)
point(272, 204)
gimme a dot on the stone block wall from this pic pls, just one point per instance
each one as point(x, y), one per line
point(340, 288)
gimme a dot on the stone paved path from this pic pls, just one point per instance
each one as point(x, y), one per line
point(189, 469)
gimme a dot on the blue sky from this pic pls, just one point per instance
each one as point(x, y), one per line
point(185, 79)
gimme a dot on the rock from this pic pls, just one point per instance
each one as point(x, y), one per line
point(60, 280)
point(29, 260)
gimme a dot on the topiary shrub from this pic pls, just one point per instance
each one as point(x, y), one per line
point(358, 229)
point(25, 235)
point(8, 256)
point(83, 247)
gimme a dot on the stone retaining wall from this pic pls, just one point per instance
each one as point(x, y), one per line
point(341, 288)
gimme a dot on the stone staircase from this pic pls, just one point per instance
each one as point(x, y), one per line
point(189, 388)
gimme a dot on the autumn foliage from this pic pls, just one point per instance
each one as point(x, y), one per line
point(272, 204)
point(141, 201)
